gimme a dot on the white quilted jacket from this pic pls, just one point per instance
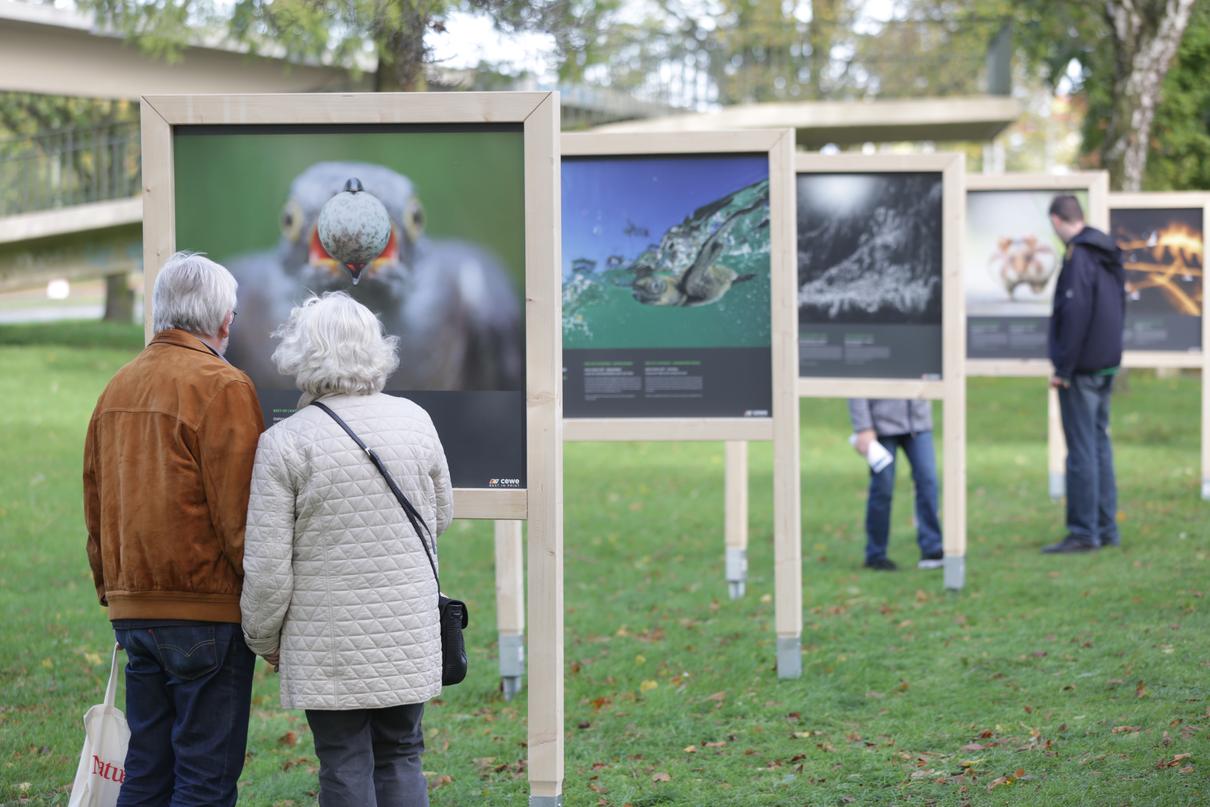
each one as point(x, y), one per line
point(334, 574)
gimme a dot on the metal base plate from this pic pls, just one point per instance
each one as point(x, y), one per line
point(546, 801)
point(737, 572)
point(955, 573)
point(510, 687)
point(512, 655)
point(1058, 485)
point(1206, 490)
point(789, 657)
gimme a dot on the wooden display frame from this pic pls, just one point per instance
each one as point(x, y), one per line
point(542, 502)
point(782, 427)
point(951, 388)
point(1096, 184)
point(1172, 359)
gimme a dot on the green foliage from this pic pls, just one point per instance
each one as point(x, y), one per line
point(1085, 674)
point(1180, 142)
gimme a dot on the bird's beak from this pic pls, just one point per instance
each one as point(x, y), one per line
point(318, 257)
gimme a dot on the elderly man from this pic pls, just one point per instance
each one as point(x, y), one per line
point(167, 466)
point(1086, 327)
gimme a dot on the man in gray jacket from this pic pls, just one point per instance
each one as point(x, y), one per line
point(908, 425)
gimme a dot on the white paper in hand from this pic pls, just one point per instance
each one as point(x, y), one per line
point(102, 767)
point(876, 455)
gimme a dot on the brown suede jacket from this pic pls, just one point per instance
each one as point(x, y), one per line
point(167, 467)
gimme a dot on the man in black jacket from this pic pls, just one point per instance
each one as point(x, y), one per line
point(1085, 344)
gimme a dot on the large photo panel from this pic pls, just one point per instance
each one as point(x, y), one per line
point(1163, 251)
point(870, 268)
point(1011, 260)
point(449, 282)
point(666, 286)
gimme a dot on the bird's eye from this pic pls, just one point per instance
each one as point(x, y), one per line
point(413, 219)
point(292, 220)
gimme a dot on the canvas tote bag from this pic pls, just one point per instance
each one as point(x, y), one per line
point(102, 766)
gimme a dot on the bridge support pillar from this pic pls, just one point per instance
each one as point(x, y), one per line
point(119, 299)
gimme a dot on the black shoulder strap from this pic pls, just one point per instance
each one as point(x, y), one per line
point(410, 511)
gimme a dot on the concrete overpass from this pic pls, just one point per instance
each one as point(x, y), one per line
point(844, 123)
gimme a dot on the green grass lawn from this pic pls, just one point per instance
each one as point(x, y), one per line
point(1048, 681)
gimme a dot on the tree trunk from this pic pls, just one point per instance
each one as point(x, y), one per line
point(1147, 34)
point(821, 33)
point(401, 53)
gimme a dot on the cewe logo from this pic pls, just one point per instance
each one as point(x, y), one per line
point(504, 483)
point(107, 770)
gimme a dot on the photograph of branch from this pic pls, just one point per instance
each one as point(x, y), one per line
point(869, 248)
point(666, 251)
point(1163, 251)
point(446, 209)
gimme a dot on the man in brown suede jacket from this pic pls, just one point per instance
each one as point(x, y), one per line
point(167, 466)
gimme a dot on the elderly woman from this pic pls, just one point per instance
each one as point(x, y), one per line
point(338, 588)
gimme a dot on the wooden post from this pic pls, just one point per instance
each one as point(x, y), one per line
point(736, 516)
point(1056, 447)
point(954, 378)
point(510, 606)
point(787, 502)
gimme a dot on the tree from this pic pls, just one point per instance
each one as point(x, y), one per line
point(1124, 49)
point(390, 33)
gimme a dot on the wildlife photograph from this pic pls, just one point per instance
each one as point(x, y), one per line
point(1011, 255)
point(869, 248)
point(1163, 251)
point(423, 226)
point(666, 252)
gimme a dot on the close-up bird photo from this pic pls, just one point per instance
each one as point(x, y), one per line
point(425, 228)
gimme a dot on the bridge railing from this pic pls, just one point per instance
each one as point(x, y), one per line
point(69, 167)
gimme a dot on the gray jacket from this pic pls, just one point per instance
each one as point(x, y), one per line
point(891, 416)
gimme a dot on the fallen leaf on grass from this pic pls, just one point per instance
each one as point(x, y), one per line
point(1172, 763)
point(1140, 691)
point(648, 685)
point(802, 735)
point(600, 703)
point(661, 777)
point(1124, 730)
point(873, 694)
point(289, 738)
point(717, 697)
point(690, 749)
point(440, 781)
point(973, 747)
point(718, 744)
point(1186, 769)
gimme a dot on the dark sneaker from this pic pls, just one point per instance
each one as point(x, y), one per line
point(881, 564)
point(1114, 541)
point(934, 560)
point(1070, 544)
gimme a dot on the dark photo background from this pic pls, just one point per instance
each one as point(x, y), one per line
point(869, 248)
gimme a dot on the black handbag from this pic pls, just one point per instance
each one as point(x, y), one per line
point(452, 613)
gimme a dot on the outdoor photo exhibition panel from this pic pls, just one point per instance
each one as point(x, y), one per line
point(1011, 259)
point(678, 318)
point(1163, 237)
point(880, 305)
point(469, 183)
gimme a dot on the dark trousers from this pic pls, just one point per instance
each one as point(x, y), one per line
point(1092, 492)
point(188, 692)
point(919, 450)
point(370, 757)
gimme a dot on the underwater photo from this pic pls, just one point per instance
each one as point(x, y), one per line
point(666, 251)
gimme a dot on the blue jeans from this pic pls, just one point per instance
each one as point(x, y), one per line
point(1092, 491)
point(919, 450)
point(188, 693)
point(370, 757)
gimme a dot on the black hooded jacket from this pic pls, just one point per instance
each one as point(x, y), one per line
point(1089, 312)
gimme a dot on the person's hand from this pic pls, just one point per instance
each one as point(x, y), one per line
point(273, 659)
point(864, 440)
point(1059, 383)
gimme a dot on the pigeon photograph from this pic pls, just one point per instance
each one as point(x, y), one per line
point(424, 227)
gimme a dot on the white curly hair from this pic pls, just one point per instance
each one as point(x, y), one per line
point(334, 345)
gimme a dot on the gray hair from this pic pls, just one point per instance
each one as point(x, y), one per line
point(335, 345)
point(192, 293)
